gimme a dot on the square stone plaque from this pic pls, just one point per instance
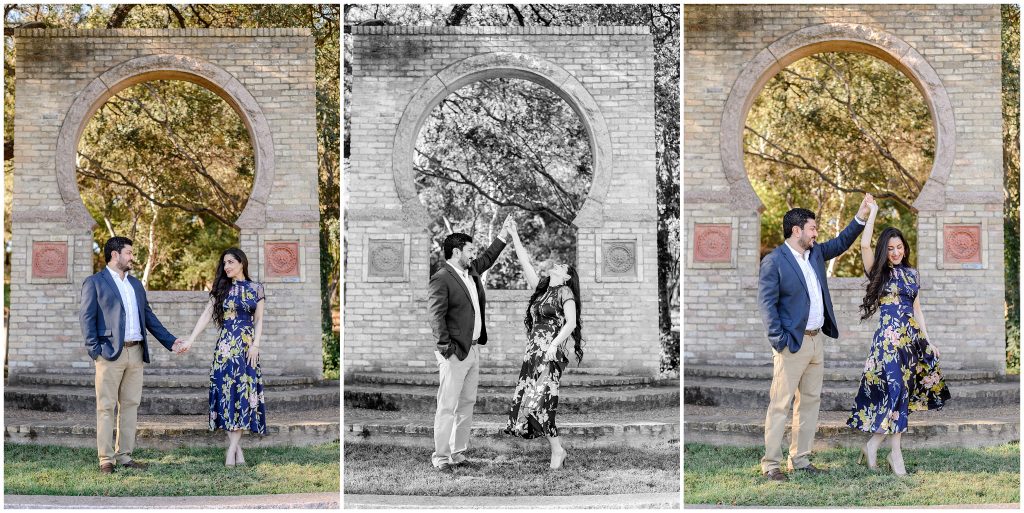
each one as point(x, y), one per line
point(962, 244)
point(712, 243)
point(386, 258)
point(50, 260)
point(281, 259)
point(618, 258)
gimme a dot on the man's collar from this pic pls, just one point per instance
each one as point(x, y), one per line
point(115, 274)
point(796, 253)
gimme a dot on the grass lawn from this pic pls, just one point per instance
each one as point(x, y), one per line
point(51, 470)
point(372, 468)
point(732, 476)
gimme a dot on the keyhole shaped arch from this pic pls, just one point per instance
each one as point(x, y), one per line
point(836, 37)
point(165, 67)
point(502, 65)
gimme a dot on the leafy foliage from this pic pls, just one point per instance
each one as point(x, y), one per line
point(162, 163)
point(1011, 178)
point(827, 129)
point(499, 146)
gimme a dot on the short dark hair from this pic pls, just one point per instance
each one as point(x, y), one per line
point(114, 244)
point(453, 242)
point(795, 217)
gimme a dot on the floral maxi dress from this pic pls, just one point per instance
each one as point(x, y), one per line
point(236, 388)
point(901, 373)
point(539, 376)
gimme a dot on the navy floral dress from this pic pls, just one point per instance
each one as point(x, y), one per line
point(901, 373)
point(236, 388)
point(539, 378)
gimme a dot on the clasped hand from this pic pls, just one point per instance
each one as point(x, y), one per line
point(181, 346)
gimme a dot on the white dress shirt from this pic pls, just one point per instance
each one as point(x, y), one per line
point(132, 327)
point(816, 315)
point(468, 280)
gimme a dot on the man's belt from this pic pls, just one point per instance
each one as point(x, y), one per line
point(474, 342)
point(131, 343)
point(811, 333)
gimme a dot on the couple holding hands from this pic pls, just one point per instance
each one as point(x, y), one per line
point(456, 307)
point(115, 316)
point(901, 373)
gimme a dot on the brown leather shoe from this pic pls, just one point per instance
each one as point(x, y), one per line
point(107, 468)
point(812, 470)
point(135, 465)
point(776, 475)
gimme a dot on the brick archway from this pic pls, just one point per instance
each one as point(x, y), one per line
point(503, 65)
point(64, 76)
point(836, 37)
point(730, 52)
point(165, 67)
point(606, 74)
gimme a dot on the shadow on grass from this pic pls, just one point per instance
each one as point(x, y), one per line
point(732, 476)
point(51, 470)
point(372, 468)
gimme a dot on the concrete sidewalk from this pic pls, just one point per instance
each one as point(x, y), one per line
point(618, 501)
point(282, 501)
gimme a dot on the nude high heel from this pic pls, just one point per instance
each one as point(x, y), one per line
point(863, 458)
point(892, 467)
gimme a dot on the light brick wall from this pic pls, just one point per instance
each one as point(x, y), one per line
point(276, 67)
point(963, 307)
point(386, 324)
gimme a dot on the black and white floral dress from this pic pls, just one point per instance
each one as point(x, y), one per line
point(539, 377)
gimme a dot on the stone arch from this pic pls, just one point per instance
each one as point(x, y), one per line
point(165, 67)
point(503, 65)
point(836, 37)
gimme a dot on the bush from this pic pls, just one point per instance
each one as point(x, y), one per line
point(332, 351)
point(1013, 347)
point(669, 354)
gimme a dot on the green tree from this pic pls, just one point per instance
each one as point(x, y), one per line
point(827, 129)
point(1011, 178)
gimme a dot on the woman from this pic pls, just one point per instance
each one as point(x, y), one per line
point(552, 318)
point(901, 373)
point(236, 384)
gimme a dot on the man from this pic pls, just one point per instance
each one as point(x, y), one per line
point(115, 316)
point(456, 306)
point(797, 309)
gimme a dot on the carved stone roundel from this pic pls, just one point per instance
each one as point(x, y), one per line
point(50, 260)
point(386, 258)
point(283, 259)
point(620, 258)
point(713, 244)
point(963, 244)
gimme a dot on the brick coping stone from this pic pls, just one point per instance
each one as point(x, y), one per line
point(328, 500)
point(613, 501)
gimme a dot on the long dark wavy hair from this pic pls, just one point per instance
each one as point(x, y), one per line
point(222, 283)
point(574, 286)
point(881, 271)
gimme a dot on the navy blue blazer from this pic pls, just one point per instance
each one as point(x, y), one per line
point(102, 317)
point(451, 308)
point(782, 291)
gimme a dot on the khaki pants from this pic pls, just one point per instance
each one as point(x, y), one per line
point(456, 397)
point(797, 377)
point(118, 383)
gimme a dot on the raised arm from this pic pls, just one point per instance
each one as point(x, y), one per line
point(843, 241)
point(524, 258)
point(866, 254)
